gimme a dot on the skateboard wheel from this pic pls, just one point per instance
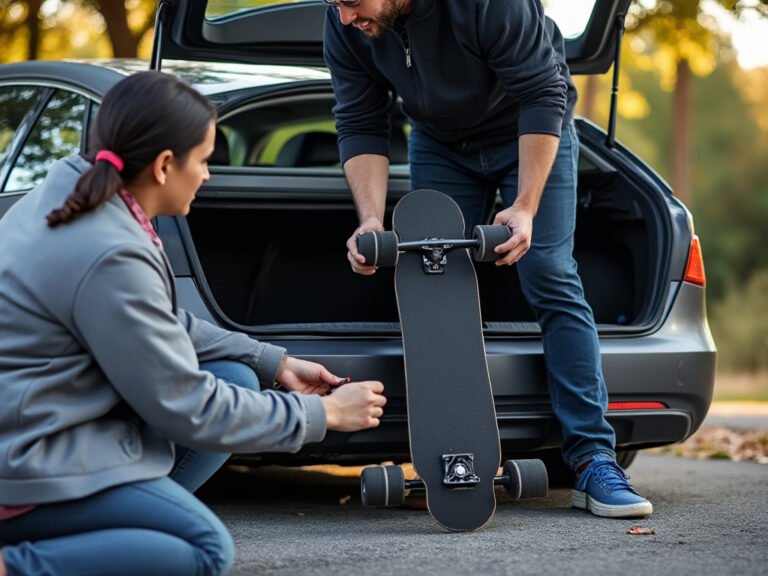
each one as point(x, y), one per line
point(526, 479)
point(382, 486)
point(487, 238)
point(378, 248)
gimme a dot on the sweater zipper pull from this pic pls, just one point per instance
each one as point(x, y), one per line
point(402, 35)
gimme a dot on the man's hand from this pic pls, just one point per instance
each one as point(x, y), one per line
point(520, 224)
point(306, 377)
point(537, 154)
point(367, 176)
point(355, 406)
point(357, 260)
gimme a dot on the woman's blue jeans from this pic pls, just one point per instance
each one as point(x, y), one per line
point(548, 272)
point(151, 527)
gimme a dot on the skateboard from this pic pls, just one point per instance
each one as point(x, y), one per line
point(454, 436)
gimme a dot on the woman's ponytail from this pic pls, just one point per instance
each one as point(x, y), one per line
point(96, 186)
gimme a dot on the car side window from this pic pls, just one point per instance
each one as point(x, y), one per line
point(15, 103)
point(56, 134)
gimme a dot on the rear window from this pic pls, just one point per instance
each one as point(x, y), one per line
point(218, 8)
point(572, 16)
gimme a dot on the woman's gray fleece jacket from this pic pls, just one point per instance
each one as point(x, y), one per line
point(99, 373)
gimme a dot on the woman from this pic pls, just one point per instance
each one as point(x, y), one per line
point(101, 375)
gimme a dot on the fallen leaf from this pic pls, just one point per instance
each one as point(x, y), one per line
point(640, 530)
point(722, 442)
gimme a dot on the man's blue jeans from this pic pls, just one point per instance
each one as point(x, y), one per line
point(151, 527)
point(548, 273)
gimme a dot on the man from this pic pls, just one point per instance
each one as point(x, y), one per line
point(490, 100)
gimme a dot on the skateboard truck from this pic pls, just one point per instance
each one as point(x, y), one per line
point(434, 252)
point(459, 471)
point(382, 248)
point(433, 257)
point(386, 485)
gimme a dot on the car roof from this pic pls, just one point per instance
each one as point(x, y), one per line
point(95, 77)
point(94, 81)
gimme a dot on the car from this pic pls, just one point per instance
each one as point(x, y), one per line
point(263, 248)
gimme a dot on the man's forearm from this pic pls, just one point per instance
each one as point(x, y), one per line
point(367, 176)
point(537, 155)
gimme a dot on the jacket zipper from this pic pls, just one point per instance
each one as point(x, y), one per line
point(402, 35)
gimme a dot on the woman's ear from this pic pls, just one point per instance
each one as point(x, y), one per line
point(161, 165)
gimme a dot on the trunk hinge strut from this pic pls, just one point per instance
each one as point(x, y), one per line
point(161, 17)
point(611, 140)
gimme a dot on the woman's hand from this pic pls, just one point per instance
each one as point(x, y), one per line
point(355, 406)
point(306, 377)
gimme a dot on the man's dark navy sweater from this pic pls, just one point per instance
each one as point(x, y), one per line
point(469, 72)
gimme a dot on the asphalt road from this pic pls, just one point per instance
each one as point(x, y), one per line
point(710, 518)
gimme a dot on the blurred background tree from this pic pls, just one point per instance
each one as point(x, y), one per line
point(50, 29)
point(686, 106)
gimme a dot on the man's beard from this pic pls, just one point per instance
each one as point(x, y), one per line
point(384, 21)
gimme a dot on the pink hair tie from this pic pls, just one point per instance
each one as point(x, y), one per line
point(110, 157)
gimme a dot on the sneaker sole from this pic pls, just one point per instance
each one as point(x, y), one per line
point(586, 502)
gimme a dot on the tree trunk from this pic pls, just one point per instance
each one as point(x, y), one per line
point(681, 134)
point(33, 26)
point(589, 96)
point(124, 43)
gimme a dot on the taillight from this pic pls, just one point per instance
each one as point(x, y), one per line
point(694, 271)
point(635, 405)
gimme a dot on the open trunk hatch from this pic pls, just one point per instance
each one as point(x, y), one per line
point(273, 258)
point(292, 32)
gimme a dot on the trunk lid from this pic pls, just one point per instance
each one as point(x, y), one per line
point(291, 33)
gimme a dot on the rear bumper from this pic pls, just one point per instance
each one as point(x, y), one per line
point(531, 432)
point(520, 434)
point(673, 365)
point(682, 382)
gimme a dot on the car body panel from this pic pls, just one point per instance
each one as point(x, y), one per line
point(674, 365)
point(88, 79)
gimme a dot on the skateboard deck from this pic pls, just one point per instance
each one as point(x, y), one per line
point(454, 437)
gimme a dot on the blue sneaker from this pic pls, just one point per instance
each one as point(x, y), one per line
point(602, 488)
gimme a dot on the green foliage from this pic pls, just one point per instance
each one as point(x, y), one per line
point(649, 137)
point(740, 325)
point(720, 455)
point(730, 181)
point(729, 200)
